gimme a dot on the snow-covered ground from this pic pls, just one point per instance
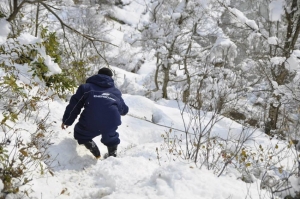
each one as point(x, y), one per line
point(143, 169)
point(136, 172)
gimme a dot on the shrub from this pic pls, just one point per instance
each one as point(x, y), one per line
point(23, 96)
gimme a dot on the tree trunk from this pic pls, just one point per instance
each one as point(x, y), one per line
point(15, 10)
point(186, 92)
point(166, 69)
point(37, 19)
point(292, 34)
point(156, 72)
point(271, 124)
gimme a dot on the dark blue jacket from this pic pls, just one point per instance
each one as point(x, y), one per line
point(103, 107)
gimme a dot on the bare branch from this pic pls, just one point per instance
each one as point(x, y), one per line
point(92, 39)
point(88, 37)
point(17, 8)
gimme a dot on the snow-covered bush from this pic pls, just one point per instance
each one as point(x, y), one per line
point(226, 151)
point(268, 41)
point(29, 79)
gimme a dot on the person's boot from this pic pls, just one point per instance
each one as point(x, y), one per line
point(91, 145)
point(112, 151)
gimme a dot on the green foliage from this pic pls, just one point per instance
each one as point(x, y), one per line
point(2, 15)
point(7, 171)
point(22, 97)
point(79, 70)
point(60, 83)
point(51, 44)
point(17, 166)
point(30, 56)
point(3, 155)
point(10, 82)
point(297, 196)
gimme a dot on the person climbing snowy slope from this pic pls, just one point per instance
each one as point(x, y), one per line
point(103, 106)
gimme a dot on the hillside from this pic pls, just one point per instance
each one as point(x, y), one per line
point(213, 112)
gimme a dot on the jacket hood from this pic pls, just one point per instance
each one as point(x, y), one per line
point(101, 80)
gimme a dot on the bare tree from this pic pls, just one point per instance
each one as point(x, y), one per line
point(15, 7)
point(271, 51)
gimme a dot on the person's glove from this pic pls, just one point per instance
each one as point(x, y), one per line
point(63, 126)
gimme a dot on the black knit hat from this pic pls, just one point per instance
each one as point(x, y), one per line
point(105, 71)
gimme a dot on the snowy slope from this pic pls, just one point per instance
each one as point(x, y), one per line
point(136, 172)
